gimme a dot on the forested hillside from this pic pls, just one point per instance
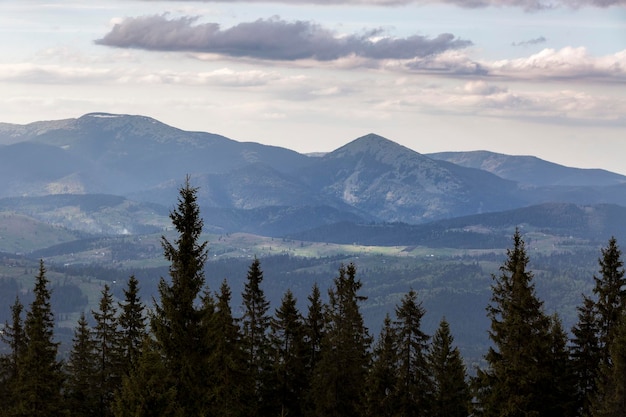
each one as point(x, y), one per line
point(192, 353)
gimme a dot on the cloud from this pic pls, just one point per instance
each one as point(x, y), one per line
point(566, 63)
point(530, 42)
point(270, 39)
point(529, 5)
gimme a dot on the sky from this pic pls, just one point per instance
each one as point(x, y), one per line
point(520, 77)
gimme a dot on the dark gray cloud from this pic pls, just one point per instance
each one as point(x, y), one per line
point(530, 42)
point(272, 39)
point(530, 5)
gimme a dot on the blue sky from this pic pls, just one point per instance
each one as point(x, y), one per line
point(546, 78)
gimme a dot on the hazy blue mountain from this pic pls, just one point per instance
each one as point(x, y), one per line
point(530, 169)
point(395, 183)
point(370, 179)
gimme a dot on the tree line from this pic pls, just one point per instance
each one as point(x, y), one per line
point(188, 355)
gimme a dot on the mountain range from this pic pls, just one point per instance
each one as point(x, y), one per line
point(92, 197)
point(262, 189)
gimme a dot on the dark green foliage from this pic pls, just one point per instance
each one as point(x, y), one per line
point(611, 395)
point(38, 388)
point(107, 343)
point(256, 345)
point(585, 356)
point(132, 322)
point(177, 322)
point(13, 335)
point(451, 395)
point(227, 362)
point(516, 378)
point(560, 391)
point(382, 377)
point(81, 388)
point(340, 375)
point(314, 333)
point(288, 353)
point(414, 387)
point(610, 290)
point(147, 391)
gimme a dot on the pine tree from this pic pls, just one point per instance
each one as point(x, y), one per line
point(81, 395)
point(256, 324)
point(132, 322)
point(227, 363)
point(414, 387)
point(289, 357)
point(451, 395)
point(610, 290)
point(382, 379)
point(514, 383)
point(340, 375)
point(108, 352)
point(40, 377)
point(177, 320)
point(585, 356)
point(13, 336)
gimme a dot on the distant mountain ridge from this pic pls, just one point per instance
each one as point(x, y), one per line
point(370, 179)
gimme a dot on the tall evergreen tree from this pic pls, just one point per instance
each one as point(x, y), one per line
point(414, 388)
point(227, 362)
point(611, 395)
point(289, 357)
point(514, 383)
point(108, 352)
point(132, 322)
point(382, 379)
point(610, 290)
point(585, 356)
point(13, 336)
point(40, 376)
point(81, 394)
point(560, 391)
point(177, 320)
point(340, 375)
point(451, 394)
point(256, 324)
point(314, 333)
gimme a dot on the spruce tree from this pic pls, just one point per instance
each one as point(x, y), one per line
point(382, 379)
point(585, 356)
point(288, 349)
point(81, 394)
point(514, 382)
point(132, 323)
point(13, 336)
point(560, 390)
point(340, 374)
point(451, 394)
point(227, 363)
point(611, 395)
point(610, 290)
point(314, 333)
point(40, 376)
point(108, 352)
point(177, 322)
point(414, 386)
point(256, 324)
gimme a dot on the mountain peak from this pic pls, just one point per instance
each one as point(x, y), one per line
point(374, 145)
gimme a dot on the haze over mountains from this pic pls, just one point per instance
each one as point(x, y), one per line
point(268, 190)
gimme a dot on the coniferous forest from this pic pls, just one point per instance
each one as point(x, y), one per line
point(186, 354)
